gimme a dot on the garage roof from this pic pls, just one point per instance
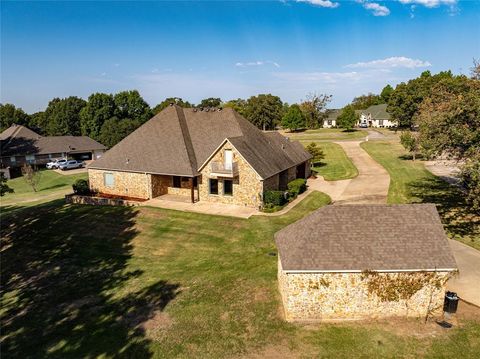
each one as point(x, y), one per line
point(366, 237)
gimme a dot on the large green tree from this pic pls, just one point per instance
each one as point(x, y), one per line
point(63, 116)
point(386, 93)
point(175, 100)
point(239, 105)
point(39, 122)
point(314, 109)
point(347, 118)
point(264, 111)
point(210, 102)
point(9, 114)
point(364, 101)
point(4, 188)
point(114, 130)
point(293, 118)
point(130, 105)
point(100, 107)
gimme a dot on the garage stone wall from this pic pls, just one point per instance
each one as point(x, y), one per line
point(247, 186)
point(349, 296)
point(129, 184)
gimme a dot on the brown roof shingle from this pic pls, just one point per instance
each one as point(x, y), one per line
point(366, 237)
point(178, 141)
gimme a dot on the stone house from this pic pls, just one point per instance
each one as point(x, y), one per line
point(212, 155)
point(20, 145)
point(347, 262)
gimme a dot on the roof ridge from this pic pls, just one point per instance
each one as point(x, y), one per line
point(186, 138)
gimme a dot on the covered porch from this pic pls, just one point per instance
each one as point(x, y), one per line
point(174, 188)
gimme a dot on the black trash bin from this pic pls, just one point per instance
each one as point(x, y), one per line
point(451, 302)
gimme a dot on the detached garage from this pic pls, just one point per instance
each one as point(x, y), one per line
point(364, 261)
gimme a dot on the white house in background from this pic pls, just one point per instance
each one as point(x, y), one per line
point(376, 116)
point(331, 120)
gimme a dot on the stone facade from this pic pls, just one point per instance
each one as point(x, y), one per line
point(247, 186)
point(352, 296)
point(129, 184)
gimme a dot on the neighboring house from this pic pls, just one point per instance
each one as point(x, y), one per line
point(21, 145)
point(376, 116)
point(346, 262)
point(331, 120)
point(212, 155)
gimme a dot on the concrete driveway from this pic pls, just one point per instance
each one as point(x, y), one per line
point(370, 186)
point(467, 283)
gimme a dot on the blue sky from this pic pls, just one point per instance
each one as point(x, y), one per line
point(200, 49)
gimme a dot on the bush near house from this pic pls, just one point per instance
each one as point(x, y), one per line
point(81, 187)
point(297, 187)
point(274, 198)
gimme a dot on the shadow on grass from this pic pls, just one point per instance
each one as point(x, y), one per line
point(62, 269)
point(54, 187)
point(456, 216)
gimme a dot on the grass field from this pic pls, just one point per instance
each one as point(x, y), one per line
point(336, 165)
point(52, 185)
point(145, 282)
point(326, 134)
point(410, 182)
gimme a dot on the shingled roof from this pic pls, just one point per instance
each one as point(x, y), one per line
point(18, 140)
point(366, 237)
point(378, 112)
point(178, 141)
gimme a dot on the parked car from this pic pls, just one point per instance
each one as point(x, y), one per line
point(55, 163)
point(363, 125)
point(71, 164)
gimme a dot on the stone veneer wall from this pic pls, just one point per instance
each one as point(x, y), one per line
point(247, 186)
point(160, 184)
point(345, 296)
point(129, 184)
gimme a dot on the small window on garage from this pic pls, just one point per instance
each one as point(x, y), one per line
point(176, 181)
point(213, 186)
point(30, 158)
point(108, 179)
point(228, 188)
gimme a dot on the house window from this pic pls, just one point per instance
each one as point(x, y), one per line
point(108, 180)
point(30, 158)
point(213, 186)
point(13, 159)
point(176, 181)
point(329, 122)
point(228, 188)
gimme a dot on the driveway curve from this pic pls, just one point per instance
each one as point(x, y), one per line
point(370, 186)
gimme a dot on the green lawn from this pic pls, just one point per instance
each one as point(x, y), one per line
point(327, 134)
point(410, 182)
point(85, 281)
point(336, 165)
point(52, 185)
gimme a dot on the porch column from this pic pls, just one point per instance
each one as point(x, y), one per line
point(192, 193)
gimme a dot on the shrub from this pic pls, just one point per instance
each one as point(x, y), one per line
point(274, 198)
point(81, 187)
point(297, 186)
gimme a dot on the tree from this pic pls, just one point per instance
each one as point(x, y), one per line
point(475, 70)
point(264, 111)
point(316, 152)
point(114, 130)
point(99, 108)
point(9, 114)
point(210, 102)
point(39, 122)
point(386, 93)
point(63, 116)
point(405, 100)
point(294, 118)
point(470, 176)
point(165, 103)
point(410, 142)
point(365, 101)
point(4, 186)
point(314, 109)
point(130, 105)
point(31, 176)
point(239, 105)
point(347, 118)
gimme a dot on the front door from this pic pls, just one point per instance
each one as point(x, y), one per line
point(228, 159)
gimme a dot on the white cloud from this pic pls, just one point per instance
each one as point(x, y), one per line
point(396, 61)
point(377, 9)
point(257, 63)
point(322, 3)
point(429, 3)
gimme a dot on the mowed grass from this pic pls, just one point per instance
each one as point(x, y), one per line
point(86, 281)
point(326, 134)
point(411, 182)
point(51, 183)
point(336, 165)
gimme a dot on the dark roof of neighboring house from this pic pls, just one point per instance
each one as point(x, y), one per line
point(366, 237)
point(378, 112)
point(178, 141)
point(18, 140)
point(333, 113)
